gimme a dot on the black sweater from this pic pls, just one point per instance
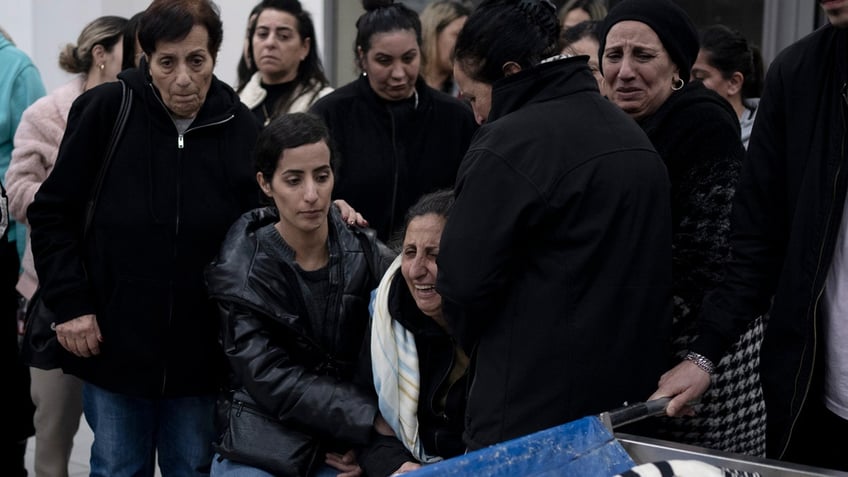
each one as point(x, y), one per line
point(393, 152)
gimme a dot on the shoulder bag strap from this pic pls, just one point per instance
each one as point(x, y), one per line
point(369, 254)
point(117, 131)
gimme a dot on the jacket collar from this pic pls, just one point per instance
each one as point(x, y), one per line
point(693, 92)
point(253, 93)
point(229, 273)
point(221, 101)
point(543, 82)
point(421, 88)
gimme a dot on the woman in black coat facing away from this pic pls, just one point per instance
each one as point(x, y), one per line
point(555, 264)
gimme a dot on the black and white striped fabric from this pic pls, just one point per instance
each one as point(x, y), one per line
point(683, 468)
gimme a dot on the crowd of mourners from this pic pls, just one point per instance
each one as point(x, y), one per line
point(517, 215)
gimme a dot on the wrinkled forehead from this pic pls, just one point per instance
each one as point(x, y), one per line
point(634, 34)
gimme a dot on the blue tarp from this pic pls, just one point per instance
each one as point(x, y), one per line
point(584, 447)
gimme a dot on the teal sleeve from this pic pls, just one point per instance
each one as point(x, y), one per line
point(26, 89)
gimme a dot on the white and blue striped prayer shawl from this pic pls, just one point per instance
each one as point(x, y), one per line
point(394, 361)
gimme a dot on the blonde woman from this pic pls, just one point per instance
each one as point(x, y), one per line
point(577, 11)
point(440, 24)
point(94, 59)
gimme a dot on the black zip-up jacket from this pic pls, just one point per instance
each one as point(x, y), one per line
point(393, 152)
point(165, 205)
point(555, 264)
point(786, 216)
point(302, 368)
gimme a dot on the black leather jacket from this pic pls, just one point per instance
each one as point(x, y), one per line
point(300, 368)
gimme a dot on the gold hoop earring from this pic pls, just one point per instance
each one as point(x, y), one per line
point(677, 84)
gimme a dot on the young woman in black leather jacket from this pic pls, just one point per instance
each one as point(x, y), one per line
point(292, 283)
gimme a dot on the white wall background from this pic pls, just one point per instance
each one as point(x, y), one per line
point(41, 28)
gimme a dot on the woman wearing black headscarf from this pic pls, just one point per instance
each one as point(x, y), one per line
point(647, 50)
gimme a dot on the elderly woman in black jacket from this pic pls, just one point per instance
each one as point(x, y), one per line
point(292, 284)
point(132, 313)
point(647, 50)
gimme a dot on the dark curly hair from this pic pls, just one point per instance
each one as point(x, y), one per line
point(500, 31)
